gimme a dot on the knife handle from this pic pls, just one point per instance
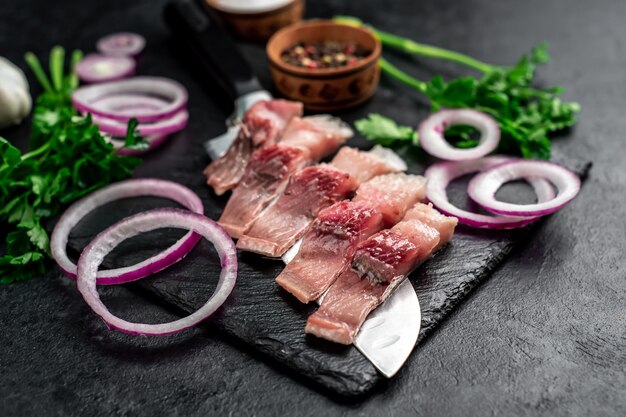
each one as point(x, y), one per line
point(198, 31)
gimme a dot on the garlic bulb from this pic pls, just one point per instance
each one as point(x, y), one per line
point(15, 101)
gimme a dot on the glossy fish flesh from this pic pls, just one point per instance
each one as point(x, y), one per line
point(266, 176)
point(321, 134)
point(379, 265)
point(308, 192)
point(367, 165)
point(394, 194)
point(328, 246)
point(269, 170)
point(262, 125)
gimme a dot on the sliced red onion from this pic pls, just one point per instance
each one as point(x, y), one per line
point(174, 124)
point(126, 189)
point(106, 241)
point(86, 99)
point(433, 141)
point(130, 103)
point(154, 141)
point(121, 44)
point(439, 175)
point(96, 68)
point(483, 187)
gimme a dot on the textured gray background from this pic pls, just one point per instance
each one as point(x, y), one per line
point(545, 335)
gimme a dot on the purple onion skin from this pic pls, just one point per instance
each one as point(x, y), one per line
point(152, 268)
point(123, 118)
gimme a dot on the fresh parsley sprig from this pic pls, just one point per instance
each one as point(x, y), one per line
point(69, 158)
point(527, 115)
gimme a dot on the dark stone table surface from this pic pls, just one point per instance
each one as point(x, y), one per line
point(545, 335)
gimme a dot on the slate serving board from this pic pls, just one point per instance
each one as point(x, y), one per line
point(264, 317)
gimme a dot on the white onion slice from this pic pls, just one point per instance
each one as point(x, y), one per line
point(106, 241)
point(483, 187)
point(439, 175)
point(86, 99)
point(126, 189)
point(96, 68)
point(121, 44)
point(433, 141)
point(174, 124)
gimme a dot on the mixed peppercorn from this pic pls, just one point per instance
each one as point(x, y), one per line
point(329, 54)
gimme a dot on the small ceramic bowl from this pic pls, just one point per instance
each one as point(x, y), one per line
point(257, 20)
point(325, 89)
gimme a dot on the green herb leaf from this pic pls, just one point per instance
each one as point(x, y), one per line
point(9, 154)
point(68, 159)
point(461, 91)
point(539, 54)
point(383, 130)
point(134, 140)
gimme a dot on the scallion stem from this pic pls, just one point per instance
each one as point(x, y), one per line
point(412, 47)
point(393, 71)
point(57, 58)
point(415, 48)
point(77, 56)
point(35, 66)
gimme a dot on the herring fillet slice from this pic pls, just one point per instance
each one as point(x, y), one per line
point(328, 247)
point(263, 124)
point(427, 214)
point(379, 265)
point(367, 165)
point(266, 176)
point(224, 173)
point(408, 189)
point(308, 192)
point(304, 141)
point(329, 244)
point(321, 134)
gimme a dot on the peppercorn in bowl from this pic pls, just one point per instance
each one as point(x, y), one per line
point(326, 65)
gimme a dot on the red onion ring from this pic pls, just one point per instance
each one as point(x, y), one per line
point(121, 44)
point(96, 68)
point(126, 189)
point(174, 124)
point(106, 241)
point(85, 99)
point(439, 175)
point(432, 140)
point(130, 103)
point(483, 187)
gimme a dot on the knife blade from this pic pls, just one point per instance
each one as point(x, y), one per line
point(390, 332)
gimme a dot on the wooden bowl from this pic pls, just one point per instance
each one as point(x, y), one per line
point(258, 26)
point(325, 89)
